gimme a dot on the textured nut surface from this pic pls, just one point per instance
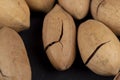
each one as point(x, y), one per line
point(108, 12)
point(14, 14)
point(77, 8)
point(14, 64)
point(41, 5)
point(59, 38)
point(99, 48)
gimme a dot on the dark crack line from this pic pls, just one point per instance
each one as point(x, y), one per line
point(99, 7)
point(3, 75)
point(61, 33)
point(52, 43)
point(91, 56)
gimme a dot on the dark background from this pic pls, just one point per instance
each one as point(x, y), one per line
point(40, 65)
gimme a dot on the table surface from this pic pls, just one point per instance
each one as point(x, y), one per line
point(40, 65)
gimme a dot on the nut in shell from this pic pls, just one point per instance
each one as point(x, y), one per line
point(14, 63)
point(99, 48)
point(14, 14)
point(77, 8)
point(59, 38)
point(108, 12)
point(41, 5)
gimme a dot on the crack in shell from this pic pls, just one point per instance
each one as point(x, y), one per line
point(54, 42)
point(91, 56)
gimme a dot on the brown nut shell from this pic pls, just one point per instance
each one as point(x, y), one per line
point(14, 63)
point(59, 33)
point(77, 8)
point(14, 14)
point(41, 5)
point(108, 12)
point(99, 48)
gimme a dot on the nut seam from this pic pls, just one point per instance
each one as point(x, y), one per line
point(99, 7)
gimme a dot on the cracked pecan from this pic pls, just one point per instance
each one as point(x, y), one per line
point(99, 48)
point(59, 38)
